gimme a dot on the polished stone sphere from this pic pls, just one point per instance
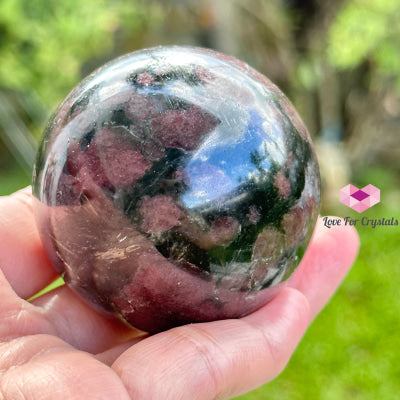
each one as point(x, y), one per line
point(176, 185)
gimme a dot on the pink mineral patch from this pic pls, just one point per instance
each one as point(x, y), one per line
point(85, 162)
point(184, 129)
point(254, 214)
point(182, 175)
point(224, 229)
point(283, 185)
point(162, 296)
point(161, 293)
point(141, 107)
point(159, 214)
point(293, 224)
point(203, 74)
point(69, 190)
point(109, 159)
point(123, 163)
point(145, 78)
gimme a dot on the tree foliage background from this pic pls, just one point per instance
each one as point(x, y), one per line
point(337, 60)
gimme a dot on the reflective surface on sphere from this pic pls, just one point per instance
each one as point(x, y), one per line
point(176, 185)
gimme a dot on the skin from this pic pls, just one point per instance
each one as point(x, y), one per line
point(57, 347)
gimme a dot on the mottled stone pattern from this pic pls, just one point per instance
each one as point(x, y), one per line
point(176, 185)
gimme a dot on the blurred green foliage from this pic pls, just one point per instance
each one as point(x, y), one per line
point(13, 179)
point(367, 29)
point(43, 45)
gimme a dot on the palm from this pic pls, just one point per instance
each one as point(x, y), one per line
point(57, 347)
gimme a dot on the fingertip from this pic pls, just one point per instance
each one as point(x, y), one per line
point(330, 254)
point(340, 231)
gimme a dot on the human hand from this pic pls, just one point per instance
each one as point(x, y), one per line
point(57, 347)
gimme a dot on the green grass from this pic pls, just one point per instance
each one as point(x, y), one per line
point(352, 349)
point(54, 285)
point(12, 179)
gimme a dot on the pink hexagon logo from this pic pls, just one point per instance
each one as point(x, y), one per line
point(360, 199)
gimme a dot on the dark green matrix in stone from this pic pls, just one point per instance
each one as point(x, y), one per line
point(176, 185)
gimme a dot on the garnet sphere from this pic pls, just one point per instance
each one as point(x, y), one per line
point(176, 185)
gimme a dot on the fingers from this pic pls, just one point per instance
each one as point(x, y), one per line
point(219, 359)
point(18, 317)
point(25, 269)
point(325, 264)
point(22, 257)
point(80, 325)
point(109, 356)
point(43, 367)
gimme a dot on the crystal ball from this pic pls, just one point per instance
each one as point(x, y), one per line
point(176, 185)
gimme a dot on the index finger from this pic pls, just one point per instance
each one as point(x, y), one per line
point(22, 257)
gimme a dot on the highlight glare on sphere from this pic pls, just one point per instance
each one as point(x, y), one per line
point(176, 185)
